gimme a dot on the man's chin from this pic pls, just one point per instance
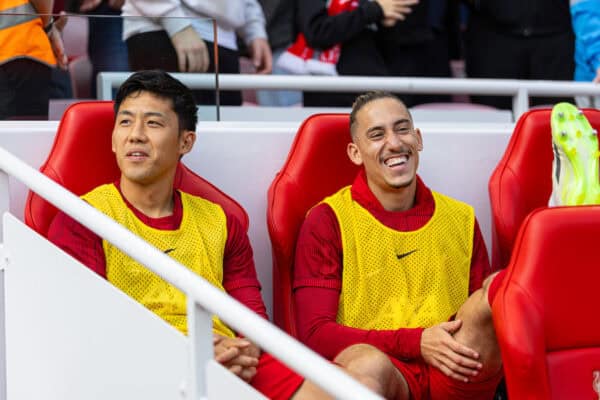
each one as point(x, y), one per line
point(138, 179)
point(401, 184)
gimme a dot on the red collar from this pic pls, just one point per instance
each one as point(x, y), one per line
point(170, 222)
point(362, 194)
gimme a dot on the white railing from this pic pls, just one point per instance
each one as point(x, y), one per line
point(4, 197)
point(203, 298)
point(519, 90)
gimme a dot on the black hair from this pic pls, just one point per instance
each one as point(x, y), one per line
point(365, 98)
point(165, 86)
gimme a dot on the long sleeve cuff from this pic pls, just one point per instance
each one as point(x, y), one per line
point(408, 343)
point(175, 21)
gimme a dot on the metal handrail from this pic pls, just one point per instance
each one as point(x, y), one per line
point(520, 90)
point(203, 298)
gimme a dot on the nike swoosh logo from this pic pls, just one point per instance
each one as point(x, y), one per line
point(401, 256)
point(167, 251)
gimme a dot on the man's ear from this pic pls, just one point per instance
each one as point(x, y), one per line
point(354, 153)
point(419, 139)
point(186, 142)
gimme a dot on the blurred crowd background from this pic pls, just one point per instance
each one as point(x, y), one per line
point(46, 58)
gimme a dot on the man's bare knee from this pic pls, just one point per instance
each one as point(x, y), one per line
point(359, 362)
point(477, 330)
point(373, 368)
point(359, 354)
point(477, 307)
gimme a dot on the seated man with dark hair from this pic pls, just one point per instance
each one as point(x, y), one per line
point(155, 126)
point(383, 265)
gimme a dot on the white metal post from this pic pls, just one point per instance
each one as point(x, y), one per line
point(520, 103)
point(104, 87)
point(201, 349)
point(3, 264)
point(4, 198)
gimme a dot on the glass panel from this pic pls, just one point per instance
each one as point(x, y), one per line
point(35, 84)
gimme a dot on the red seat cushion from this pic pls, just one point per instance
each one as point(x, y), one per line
point(81, 159)
point(317, 166)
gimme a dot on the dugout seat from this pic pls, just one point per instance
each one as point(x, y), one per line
point(522, 180)
point(546, 310)
point(81, 159)
point(316, 166)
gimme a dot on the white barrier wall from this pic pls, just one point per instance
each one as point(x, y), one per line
point(72, 335)
point(242, 159)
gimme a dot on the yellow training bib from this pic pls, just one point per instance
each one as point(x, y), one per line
point(394, 279)
point(198, 244)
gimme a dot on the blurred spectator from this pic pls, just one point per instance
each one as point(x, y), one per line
point(281, 30)
point(106, 49)
point(586, 24)
point(356, 32)
point(519, 39)
point(301, 59)
point(60, 82)
point(444, 21)
point(419, 46)
point(186, 44)
point(30, 45)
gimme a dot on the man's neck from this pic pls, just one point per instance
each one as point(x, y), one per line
point(391, 199)
point(154, 200)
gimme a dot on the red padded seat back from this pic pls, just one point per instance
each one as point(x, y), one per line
point(317, 166)
point(522, 180)
point(546, 310)
point(81, 158)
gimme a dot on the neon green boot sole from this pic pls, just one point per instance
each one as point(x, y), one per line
point(575, 176)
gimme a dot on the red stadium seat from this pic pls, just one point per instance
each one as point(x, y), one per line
point(317, 166)
point(546, 310)
point(522, 181)
point(81, 159)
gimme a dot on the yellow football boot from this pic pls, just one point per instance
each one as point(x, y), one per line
point(575, 168)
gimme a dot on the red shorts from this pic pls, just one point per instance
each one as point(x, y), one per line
point(275, 380)
point(428, 382)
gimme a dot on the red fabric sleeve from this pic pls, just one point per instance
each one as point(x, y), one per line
point(480, 263)
point(318, 329)
point(317, 285)
point(318, 260)
point(79, 242)
point(239, 274)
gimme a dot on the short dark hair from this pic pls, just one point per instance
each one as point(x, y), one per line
point(162, 85)
point(365, 98)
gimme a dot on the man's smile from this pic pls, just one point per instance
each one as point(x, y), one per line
point(136, 155)
point(396, 161)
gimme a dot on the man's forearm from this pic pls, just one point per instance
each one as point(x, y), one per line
point(43, 7)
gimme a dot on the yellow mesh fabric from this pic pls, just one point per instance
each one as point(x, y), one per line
point(198, 244)
point(395, 279)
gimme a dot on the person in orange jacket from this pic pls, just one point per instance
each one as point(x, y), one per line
point(30, 45)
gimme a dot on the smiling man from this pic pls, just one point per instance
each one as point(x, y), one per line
point(384, 265)
point(155, 125)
